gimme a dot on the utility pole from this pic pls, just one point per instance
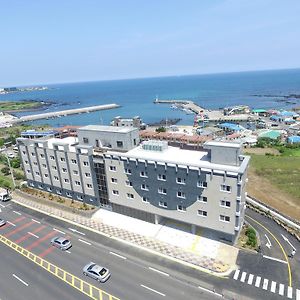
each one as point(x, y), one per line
point(10, 169)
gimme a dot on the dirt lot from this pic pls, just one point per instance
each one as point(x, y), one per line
point(261, 151)
point(260, 188)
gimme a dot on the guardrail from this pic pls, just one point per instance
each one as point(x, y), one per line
point(275, 213)
point(84, 287)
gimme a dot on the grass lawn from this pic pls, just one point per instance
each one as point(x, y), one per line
point(282, 171)
point(11, 105)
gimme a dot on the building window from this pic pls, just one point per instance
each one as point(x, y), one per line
point(145, 187)
point(32, 153)
point(54, 167)
point(202, 213)
point(224, 203)
point(114, 180)
point(23, 152)
point(145, 199)
point(180, 180)
point(49, 189)
point(128, 171)
point(225, 188)
point(162, 177)
point(64, 170)
point(66, 180)
point(75, 172)
point(128, 183)
point(89, 185)
point(180, 194)
point(181, 208)
point(37, 173)
point(201, 198)
point(40, 186)
point(162, 191)
point(52, 157)
point(87, 175)
point(79, 197)
point(85, 140)
point(202, 184)
point(113, 168)
point(73, 161)
point(26, 162)
point(35, 163)
point(42, 155)
point(77, 182)
point(56, 178)
point(46, 175)
point(44, 166)
point(130, 196)
point(224, 218)
point(119, 144)
point(62, 159)
point(86, 163)
point(58, 192)
point(163, 204)
point(69, 194)
point(115, 192)
point(143, 174)
point(28, 171)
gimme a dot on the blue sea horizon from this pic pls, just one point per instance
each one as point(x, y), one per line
point(258, 89)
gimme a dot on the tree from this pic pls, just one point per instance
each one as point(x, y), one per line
point(15, 163)
point(161, 129)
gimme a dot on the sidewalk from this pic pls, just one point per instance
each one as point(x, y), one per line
point(193, 250)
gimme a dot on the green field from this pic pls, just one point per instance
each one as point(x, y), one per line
point(282, 171)
point(21, 105)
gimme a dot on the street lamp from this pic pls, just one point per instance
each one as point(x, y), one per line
point(10, 169)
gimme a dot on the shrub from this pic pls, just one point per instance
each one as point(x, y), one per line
point(5, 171)
point(160, 129)
point(15, 162)
point(61, 200)
point(19, 176)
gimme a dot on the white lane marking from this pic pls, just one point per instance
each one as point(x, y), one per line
point(273, 286)
point(257, 282)
point(297, 294)
point(36, 221)
point(85, 242)
point(12, 224)
point(118, 255)
point(265, 284)
point(281, 289)
point(152, 290)
point(243, 277)
point(290, 292)
point(75, 230)
point(276, 259)
point(2, 205)
point(33, 234)
point(68, 251)
point(18, 278)
point(236, 274)
point(209, 291)
point(250, 279)
point(18, 213)
point(55, 229)
point(158, 271)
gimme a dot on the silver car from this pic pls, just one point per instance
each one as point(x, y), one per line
point(2, 222)
point(97, 272)
point(61, 243)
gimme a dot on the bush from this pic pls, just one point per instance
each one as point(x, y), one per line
point(15, 162)
point(19, 176)
point(161, 129)
point(5, 171)
point(61, 200)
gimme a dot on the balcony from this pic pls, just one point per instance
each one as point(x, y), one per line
point(239, 198)
point(236, 228)
point(237, 213)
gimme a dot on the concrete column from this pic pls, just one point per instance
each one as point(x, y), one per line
point(193, 229)
point(156, 219)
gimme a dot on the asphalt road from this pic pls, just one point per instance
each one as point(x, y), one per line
point(22, 279)
point(136, 274)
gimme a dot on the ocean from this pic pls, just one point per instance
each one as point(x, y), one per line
point(263, 89)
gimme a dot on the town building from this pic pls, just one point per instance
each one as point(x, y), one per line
point(128, 122)
point(108, 166)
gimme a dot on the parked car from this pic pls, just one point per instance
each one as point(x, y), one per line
point(61, 243)
point(2, 222)
point(96, 272)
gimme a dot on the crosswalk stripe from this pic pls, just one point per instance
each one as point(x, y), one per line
point(281, 289)
point(257, 282)
point(290, 292)
point(265, 284)
point(236, 274)
point(297, 294)
point(250, 279)
point(273, 286)
point(243, 277)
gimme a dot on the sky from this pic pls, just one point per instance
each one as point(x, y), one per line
point(70, 40)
